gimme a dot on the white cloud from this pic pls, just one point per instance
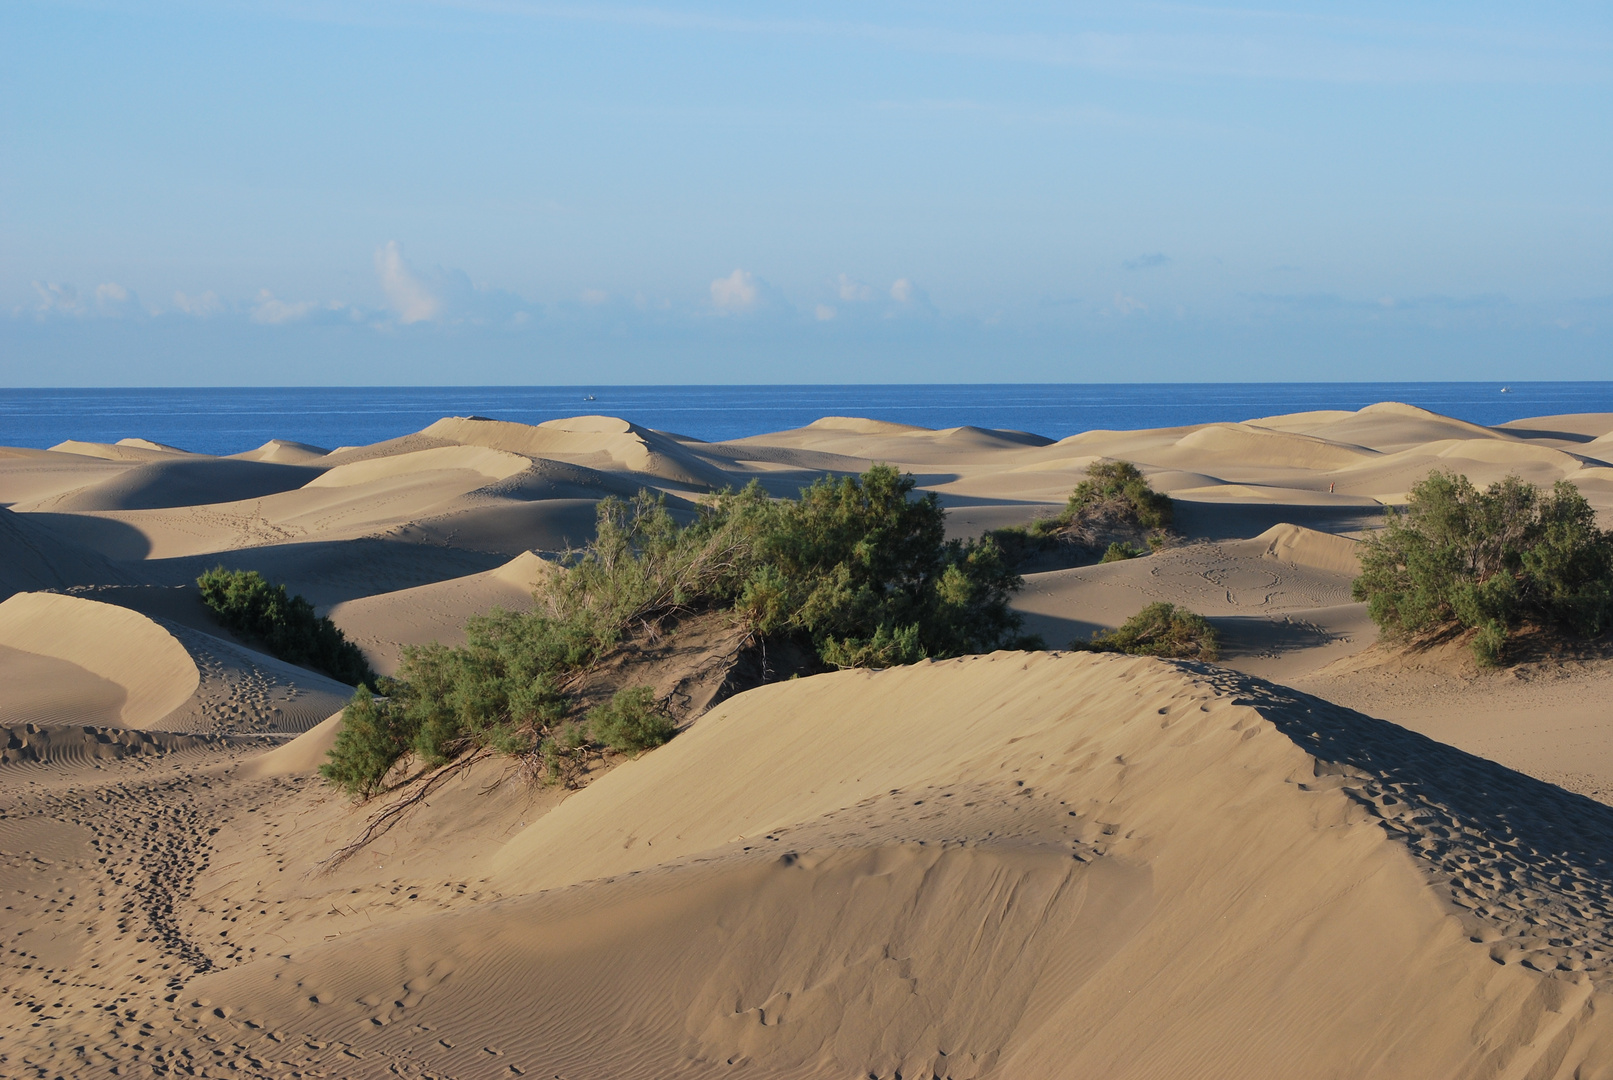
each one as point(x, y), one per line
point(851, 290)
point(736, 292)
point(200, 306)
point(110, 293)
point(824, 312)
point(902, 290)
point(406, 295)
point(273, 312)
point(594, 297)
point(1128, 305)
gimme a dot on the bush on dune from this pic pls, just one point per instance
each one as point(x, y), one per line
point(1490, 561)
point(1120, 552)
point(1159, 629)
point(1113, 511)
point(856, 571)
point(284, 624)
point(866, 575)
point(1122, 484)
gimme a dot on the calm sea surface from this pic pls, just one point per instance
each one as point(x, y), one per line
point(229, 420)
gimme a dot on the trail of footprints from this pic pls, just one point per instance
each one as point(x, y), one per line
point(1528, 866)
point(152, 839)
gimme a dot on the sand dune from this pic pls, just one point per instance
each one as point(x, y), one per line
point(186, 482)
point(1386, 426)
point(1021, 865)
point(133, 450)
point(1272, 448)
point(120, 647)
point(70, 660)
point(819, 879)
point(486, 463)
point(383, 624)
point(605, 443)
point(27, 474)
point(1282, 598)
point(284, 452)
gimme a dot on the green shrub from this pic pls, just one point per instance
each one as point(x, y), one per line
point(855, 570)
point(1159, 629)
point(1121, 482)
point(1489, 561)
point(866, 574)
point(369, 742)
point(1114, 497)
point(285, 625)
point(631, 722)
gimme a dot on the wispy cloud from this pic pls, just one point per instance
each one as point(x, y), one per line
point(1147, 262)
point(272, 311)
point(202, 306)
point(57, 299)
point(406, 294)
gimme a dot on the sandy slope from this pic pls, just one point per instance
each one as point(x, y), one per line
point(33, 557)
point(383, 624)
point(1048, 865)
point(1156, 871)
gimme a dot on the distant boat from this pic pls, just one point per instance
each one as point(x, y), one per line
point(590, 397)
point(1504, 390)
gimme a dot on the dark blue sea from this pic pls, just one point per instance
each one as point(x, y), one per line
point(229, 420)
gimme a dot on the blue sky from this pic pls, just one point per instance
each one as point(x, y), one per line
point(500, 191)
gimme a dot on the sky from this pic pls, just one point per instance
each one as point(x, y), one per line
point(497, 192)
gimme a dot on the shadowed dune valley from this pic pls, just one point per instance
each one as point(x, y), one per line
point(722, 841)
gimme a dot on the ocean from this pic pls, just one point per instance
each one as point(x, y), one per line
point(230, 420)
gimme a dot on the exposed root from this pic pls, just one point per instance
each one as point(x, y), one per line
point(381, 822)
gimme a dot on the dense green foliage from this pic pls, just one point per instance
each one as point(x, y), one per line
point(631, 721)
point(368, 743)
point(1115, 498)
point(856, 570)
point(1159, 630)
point(1489, 560)
point(866, 575)
point(285, 625)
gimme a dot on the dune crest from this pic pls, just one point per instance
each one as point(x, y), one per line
point(1307, 547)
point(598, 442)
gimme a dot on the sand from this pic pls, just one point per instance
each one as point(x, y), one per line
point(1322, 856)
